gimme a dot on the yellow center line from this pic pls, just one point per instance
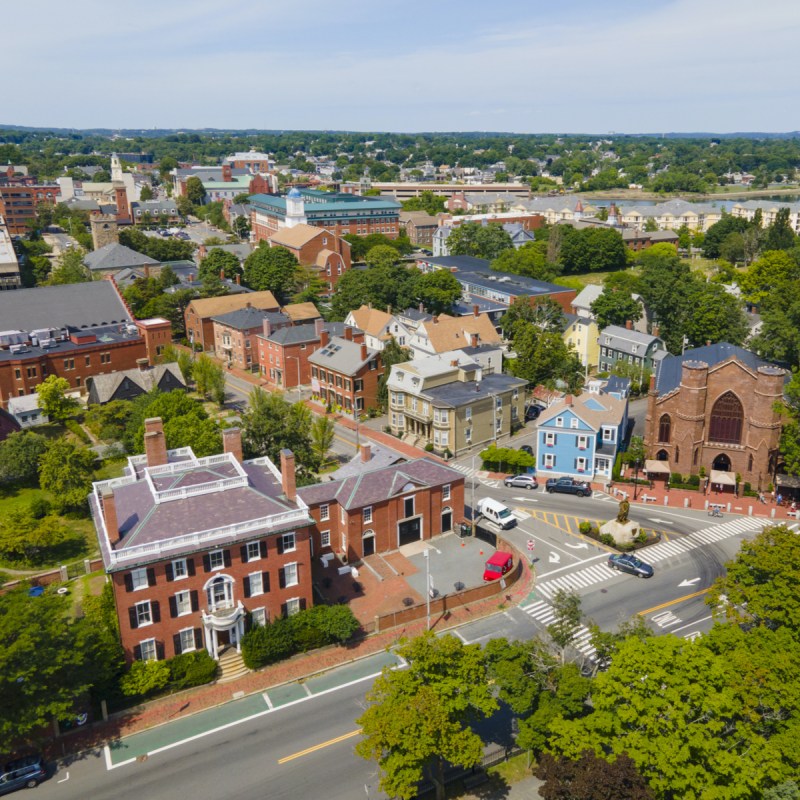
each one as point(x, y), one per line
point(316, 747)
point(673, 602)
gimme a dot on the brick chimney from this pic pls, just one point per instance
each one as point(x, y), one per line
point(454, 362)
point(323, 338)
point(652, 383)
point(348, 333)
point(319, 323)
point(155, 445)
point(287, 474)
point(656, 330)
point(435, 320)
point(222, 276)
point(474, 340)
point(363, 352)
point(226, 173)
point(475, 311)
point(232, 442)
point(629, 324)
point(266, 327)
point(202, 252)
point(146, 270)
point(143, 364)
point(238, 279)
point(366, 452)
point(110, 515)
point(568, 400)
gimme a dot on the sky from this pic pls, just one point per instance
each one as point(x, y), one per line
point(528, 66)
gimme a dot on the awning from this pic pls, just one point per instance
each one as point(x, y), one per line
point(651, 466)
point(789, 481)
point(723, 478)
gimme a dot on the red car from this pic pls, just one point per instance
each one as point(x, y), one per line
point(497, 566)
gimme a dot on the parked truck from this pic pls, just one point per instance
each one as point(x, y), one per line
point(568, 486)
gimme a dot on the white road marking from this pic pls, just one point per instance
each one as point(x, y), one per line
point(570, 566)
point(580, 546)
point(690, 624)
point(666, 619)
point(555, 558)
point(64, 780)
point(692, 582)
point(265, 695)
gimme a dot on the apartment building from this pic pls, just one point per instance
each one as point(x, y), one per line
point(345, 375)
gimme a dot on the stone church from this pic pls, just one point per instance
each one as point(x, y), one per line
point(713, 407)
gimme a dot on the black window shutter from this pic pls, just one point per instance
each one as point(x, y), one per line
point(284, 610)
point(151, 576)
point(247, 586)
point(173, 607)
point(265, 581)
point(128, 582)
point(132, 615)
point(281, 578)
point(176, 643)
point(263, 546)
point(226, 557)
point(243, 550)
point(302, 604)
point(195, 600)
point(137, 652)
point(207, 562)
point(168, 571)
point(190, 566)
point(279, 542)
point(156, 608)
point(198, 638)
point(160, 651)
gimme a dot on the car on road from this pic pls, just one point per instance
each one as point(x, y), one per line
point(182, 235)
point(532, 412)
point(568, 486)
point(522, 481)
point(22, 773)
point(526, 448)
point(627, 562)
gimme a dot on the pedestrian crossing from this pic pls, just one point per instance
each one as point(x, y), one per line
point(545, 614)
point(599, 573)
point(469, 472)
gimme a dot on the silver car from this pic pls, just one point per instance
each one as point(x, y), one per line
point(522, 481)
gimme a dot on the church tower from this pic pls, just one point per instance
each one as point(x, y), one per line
point(295, 209)
point(116, 168)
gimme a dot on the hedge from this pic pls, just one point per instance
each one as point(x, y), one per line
point(191, 669)
point(306, 630)
point(506, 459)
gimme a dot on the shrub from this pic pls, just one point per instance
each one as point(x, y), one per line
point(585, 527)
point(267, 644)
point(694, 480)
point(429, 448)
point(641, 537)
point(676, 478)
point(74, 428)
point(40, 507)
point(608, 539)
point(617, 470)
point(191, 669)
point(145, 677)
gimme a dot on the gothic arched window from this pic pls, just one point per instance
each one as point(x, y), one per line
point(727, 417)
point(664, 428)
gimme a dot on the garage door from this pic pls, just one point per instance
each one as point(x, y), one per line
point(409, 531)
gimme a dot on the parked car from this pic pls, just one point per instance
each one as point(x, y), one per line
point(22, 773)
point(532, 412)
point(568, 486)
point(496, 512)
point(627, 562)
point(498, 565)
point(526, 448)
point(522, 481)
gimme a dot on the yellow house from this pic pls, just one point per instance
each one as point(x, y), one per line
point(582, 335)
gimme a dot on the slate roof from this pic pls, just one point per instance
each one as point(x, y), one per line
point(117, 256)
point(243, 319)
point(295, 334)
point(624, 340)
point(76, 306)
point(342, 356)
point(106, 385)
point(669, 372)
point(376, 486)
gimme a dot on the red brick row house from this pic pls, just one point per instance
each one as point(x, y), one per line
point(195, 545)
point(380, 510)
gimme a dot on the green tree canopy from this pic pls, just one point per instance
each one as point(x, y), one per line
point(271, 269)
point(529, 260)
point(382, 286)
point(53, 400)
point(195, 191)
point(220, 262)
point(544, 358)
point(481, 241)
point(66, 470)
point(591, 250)
point(615, 307)
point(392, 354)
point(419, 718)
point(70, 269)
point(426, 201)
point(19, 456)
point(438, 291)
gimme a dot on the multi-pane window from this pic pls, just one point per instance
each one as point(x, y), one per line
point(290, 574)
point(325, 538)
point(367, 514)
point(446, 492)
point(253, 551)
point(573, 423)
point(179, 568)
point(147, 648)
point(216, 559)
point(139, 579)
point(187, 640)
point(292, 606)
point(549, 460)
point(288, 543)
point(549, 438)
point(324, 512)
point(144, 614)
point(259, 616)
point(256, 580)
point(183, 603)
point(559, 422)
point(583, 442)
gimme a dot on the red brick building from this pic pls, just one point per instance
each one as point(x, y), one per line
point(75, 332)
point(283, 354)
point(714, 407)
point(380, 510)
point(235, 334)
point(345, 374)
point(18, 203)
point(195, 547)
point(199, 313)
point(320, 249)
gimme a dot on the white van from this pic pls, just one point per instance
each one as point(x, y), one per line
point(496, 512)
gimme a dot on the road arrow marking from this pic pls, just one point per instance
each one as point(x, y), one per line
point(692, 582)
point(581, 546)
point(661, 521)
point(555, 558)
point(526, 499)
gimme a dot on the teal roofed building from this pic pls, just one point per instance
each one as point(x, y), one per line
point(339, 213)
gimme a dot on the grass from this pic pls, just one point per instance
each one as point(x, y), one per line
point(514, 770)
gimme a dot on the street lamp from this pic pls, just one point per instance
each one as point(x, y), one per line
point(428, 586)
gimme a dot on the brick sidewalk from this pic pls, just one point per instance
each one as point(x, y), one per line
point(191, 701)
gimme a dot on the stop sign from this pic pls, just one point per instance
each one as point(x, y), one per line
point(530, 544)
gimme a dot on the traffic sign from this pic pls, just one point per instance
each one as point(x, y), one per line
point(530, 544)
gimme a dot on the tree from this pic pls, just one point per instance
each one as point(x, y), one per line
point(774, 270)
point(591, 778)
point(101, 176)
point(419, 718)
point(212, 286)
point(201, 434)
point(195, 191)
point(53, 399)
point(271, 269)
point(392, 354)
point(529, 260)
point(42, 670)
point(383, 286)
point(716, 315)
point(323, 433)
point(481, 241)
point(145, 677)
point(520, 671)
point(146, 193)
point(382, 255)
point(592, 250)
point(615, 307)
point(438, 291)
point(209, 378)
point(567, 612)
point(271, 424)
point(719, 231)
point(544, 358)
point(19, 457)
point(780, 235)
point(756, 586)
point(220, 262)
point(70, 269)
point(66, 471)
point(788, 790)
point(426, 201)
point(174, 405)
